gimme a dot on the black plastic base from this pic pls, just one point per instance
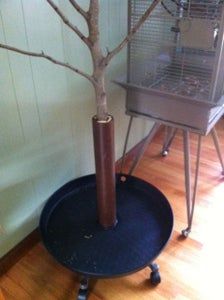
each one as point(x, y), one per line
point(73, 236)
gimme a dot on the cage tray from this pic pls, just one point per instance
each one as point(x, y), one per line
point(71, 233)
point(172, 109)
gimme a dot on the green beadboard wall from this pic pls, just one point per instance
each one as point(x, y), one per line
point(45, 110)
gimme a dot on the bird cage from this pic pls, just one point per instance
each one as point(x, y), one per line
point(176, 63)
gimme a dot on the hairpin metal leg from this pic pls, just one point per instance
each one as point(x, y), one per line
point(170, 135)
point(142, 149)
point(126, 144)
point(217, 146)
point(190, 198)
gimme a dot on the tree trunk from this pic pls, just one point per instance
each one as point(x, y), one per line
point(101, 99)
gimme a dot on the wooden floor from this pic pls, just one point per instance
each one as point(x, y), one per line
point(191, 269)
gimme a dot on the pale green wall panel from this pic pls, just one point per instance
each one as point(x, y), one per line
point(18, 214)
point(44, 34)
point(18, 198)
point(21, 70)
point(9, 116)
point(46, 111)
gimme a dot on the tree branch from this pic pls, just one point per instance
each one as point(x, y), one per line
point(68, 23)
point(50, 58)
point(79, 9)
point(140, 22)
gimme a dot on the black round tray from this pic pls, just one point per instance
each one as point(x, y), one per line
point(71, 233)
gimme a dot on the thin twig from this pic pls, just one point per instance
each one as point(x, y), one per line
point(68, 23)
point(50, 58)
point(140, 22)
point(79, 9)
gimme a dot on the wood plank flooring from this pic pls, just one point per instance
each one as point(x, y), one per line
point(191, 268)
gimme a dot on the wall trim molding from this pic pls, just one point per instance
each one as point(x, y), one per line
point(21, 249)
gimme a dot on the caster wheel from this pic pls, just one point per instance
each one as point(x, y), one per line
point(165, 153)
point(185, 232)
point(82, 295)
point(155, 278)
point(83, 291)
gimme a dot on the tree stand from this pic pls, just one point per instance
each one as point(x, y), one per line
point(108, 242)
point(72, 234)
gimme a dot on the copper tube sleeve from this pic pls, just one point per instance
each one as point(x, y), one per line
point(103, 134)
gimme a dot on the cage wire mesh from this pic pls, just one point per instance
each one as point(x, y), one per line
point(179, 49)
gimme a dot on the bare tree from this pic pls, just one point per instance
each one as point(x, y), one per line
point(100, 63)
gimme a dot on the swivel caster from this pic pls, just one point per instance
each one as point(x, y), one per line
point(82, 295)
point(155, 277)
point(165, 153)
point(83, 290)
point(185, 232)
